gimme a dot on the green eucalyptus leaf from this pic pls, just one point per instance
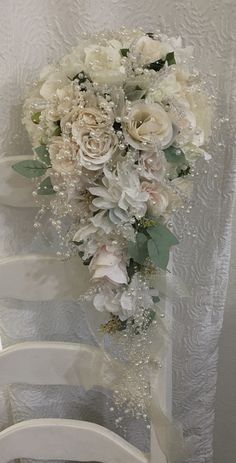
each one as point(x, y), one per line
point(124, 51)
point(161, 232)
point(138, 250)
point(175, 156)
point(46, 187)
point(170, 58)
point(30, 168)
point(35, 118)
point(159, 245)
point(160, 257)
point(43, 154)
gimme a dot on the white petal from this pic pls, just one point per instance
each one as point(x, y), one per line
point(99, 302)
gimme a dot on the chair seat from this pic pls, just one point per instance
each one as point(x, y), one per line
point(69, 440)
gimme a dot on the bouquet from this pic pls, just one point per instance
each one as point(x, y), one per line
point(116, 128)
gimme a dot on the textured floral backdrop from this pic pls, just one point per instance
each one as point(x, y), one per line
point(36, 33)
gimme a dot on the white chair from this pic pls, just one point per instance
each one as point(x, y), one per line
point(71, 440)
point(38, 277)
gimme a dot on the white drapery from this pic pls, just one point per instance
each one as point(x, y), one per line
point(34, 34)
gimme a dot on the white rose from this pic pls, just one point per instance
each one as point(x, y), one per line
point(53, 82)
point(97, 146)
point(200, 107)
point(72, 64)
point(152, 165)
point(183, 119)
point(147, 126)
point(103, 63)
point(108, 263)
point(64, 156)
point(149, 50)
point(162, 199)
point(166, 87)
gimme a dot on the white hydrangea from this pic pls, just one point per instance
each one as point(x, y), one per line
point(121, 193)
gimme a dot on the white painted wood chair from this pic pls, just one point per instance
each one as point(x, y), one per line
point(60, 363)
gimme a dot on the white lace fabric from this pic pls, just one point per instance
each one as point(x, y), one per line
point(36, 33)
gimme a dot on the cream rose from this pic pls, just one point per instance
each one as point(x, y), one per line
point(149, 50)
point(162, 200)
point(152, 165)
point(108, 263)
point(64, 156)
point(92, 118)
point(147, 126)
point(103, 63)
point(97, 146)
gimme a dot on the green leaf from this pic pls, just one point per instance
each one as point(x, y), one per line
point(156, 65)
point(124, 51)
point(138, 250)
point(159, 245)
point(57, 131)
point(131, 268)
point(81, 77)
point(35, 118)
point(43, 154)
point(159, 64)
point(30, 168)
point(175, 156)
point(183, 172)
point(150, 34)
point(170, 58)
point(46, 187)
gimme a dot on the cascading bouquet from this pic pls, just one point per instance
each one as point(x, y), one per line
point(117, 127)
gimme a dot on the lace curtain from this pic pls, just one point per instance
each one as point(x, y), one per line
point(35, 33)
